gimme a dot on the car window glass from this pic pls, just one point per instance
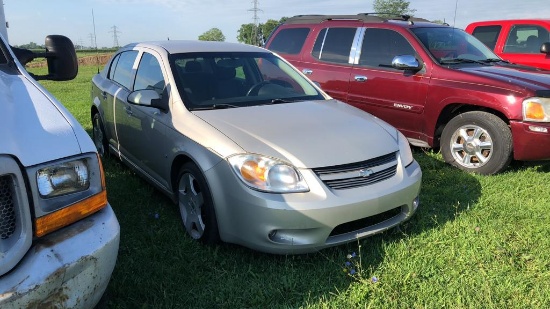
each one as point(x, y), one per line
point(488, 35)
point(380, 46)
point(289, 41)
point(526, 39)
point(334, 44)
point(149, 74)
point(207, 80)
point(123, 69)
point(113, 66)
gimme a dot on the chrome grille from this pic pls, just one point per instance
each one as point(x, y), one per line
point(359, 174)
point(7, 207)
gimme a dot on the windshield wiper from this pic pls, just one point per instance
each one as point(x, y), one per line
point(491, 60)
point(215, 106)
point(460, 60)
point(278, 101)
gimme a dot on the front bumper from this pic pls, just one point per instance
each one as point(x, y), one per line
point(306, 222)
point(69, 268)
point(529, 143)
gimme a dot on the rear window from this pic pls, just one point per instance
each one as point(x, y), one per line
point(289, 41)
point(488, 35)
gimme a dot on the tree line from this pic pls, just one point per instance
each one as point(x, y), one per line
point(257, 34)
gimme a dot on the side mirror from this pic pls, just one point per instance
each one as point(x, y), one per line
point(148, 97)
point(406, 62)
point(545, 48)
point(60, 56)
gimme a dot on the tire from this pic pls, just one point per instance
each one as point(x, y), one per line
point(477, 142)
point(98, 136)
point(196, 206)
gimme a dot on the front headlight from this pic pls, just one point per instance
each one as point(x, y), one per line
point(66, 191)
point(536, 109)
point(267, 174)
point(404, 149)
point(64, 178)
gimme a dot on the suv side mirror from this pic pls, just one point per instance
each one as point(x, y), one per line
point(545, 48)
point(406, 62)
point(60, 55)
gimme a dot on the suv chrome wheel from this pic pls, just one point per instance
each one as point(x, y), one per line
point(477, 142)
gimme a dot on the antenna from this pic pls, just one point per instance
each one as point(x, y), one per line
point(456, 8)
point(95, 42)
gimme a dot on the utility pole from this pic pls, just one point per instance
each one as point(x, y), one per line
point(92, 40)
point(255, 9)
point(115, 33)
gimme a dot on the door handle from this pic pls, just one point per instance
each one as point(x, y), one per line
point(360, 78)
point(307, 71)
point(129, 111)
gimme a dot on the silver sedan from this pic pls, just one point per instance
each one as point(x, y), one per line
point(252, 151)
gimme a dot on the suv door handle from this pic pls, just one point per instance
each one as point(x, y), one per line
point(129, 111)
point(307, 71)
point(360, 78)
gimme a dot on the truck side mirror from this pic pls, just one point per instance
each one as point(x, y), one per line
point(545, 48)
point(60, 56)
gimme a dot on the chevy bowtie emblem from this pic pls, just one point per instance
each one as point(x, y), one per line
point(365, 173)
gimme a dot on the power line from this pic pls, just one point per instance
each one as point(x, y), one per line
point(115, 33)
point(256, 18)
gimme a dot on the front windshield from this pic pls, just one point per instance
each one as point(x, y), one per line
point(235, 79)
point(451, 45)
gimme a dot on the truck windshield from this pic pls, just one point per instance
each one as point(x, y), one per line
point(450, 45)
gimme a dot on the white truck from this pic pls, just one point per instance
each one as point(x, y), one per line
point(59, 236)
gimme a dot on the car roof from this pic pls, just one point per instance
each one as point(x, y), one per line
point(511, 21)
point(192, 46)
point(364, 17)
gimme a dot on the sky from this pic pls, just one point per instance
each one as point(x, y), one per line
point(145, 20)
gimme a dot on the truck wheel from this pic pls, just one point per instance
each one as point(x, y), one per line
point(100, 140)
point(196, 206)
point(477, 142)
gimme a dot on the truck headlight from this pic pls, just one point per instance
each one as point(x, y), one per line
point(66, 191)
point(536, 109)
point(267, 174)
point(63, 178)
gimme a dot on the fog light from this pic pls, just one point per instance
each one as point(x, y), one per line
point(538, 129)
point(416, 202)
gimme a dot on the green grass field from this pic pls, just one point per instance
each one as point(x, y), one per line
point(475, 242)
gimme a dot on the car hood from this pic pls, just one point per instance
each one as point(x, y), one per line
point(525, 77)
point(34, 128)
point(307, 134)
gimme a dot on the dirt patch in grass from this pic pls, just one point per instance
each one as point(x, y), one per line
point(99, 59)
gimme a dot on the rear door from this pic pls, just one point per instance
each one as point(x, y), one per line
point(523, 44)
point(331, 59)
point(395, 96)
point(123, 78)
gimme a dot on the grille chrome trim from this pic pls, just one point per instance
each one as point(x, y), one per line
point(358, 174)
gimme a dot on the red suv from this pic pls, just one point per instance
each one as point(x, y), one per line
point(521, 41)
point(439, 85)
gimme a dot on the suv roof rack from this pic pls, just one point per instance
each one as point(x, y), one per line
point(366, 17)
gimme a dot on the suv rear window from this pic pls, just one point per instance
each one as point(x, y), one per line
point(334, 44)
point(289, 41)
point(488, 35)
